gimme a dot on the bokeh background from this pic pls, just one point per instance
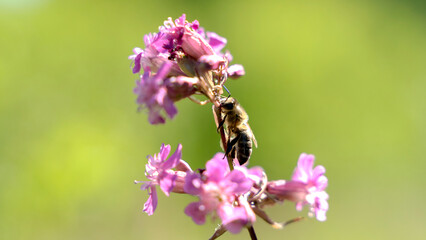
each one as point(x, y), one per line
point(344, 80)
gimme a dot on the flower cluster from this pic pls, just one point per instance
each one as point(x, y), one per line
point(218, 189)
point(177, 62)
point(306, 187)
point(182, 60)
point(159, 172)
point(236, 196)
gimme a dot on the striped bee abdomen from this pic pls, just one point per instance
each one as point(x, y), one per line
point(244, 147)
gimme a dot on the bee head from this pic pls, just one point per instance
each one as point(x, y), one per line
point(228, 104)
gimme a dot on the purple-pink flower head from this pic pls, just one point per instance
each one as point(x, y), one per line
point(235, 71)
point(174, 62)
point(159, 172)
point(218, 190)
point(156, 92)
point(175, 42)
point(152, 94)
point(313, 177)
point(153, 56)
point(181, 35)
point(306, 187)
point(315, 182)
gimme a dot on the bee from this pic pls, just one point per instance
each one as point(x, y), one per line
point(236, 121)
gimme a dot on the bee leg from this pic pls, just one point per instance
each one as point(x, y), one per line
point(221, 123)
point(233, 153)
point(231, 145)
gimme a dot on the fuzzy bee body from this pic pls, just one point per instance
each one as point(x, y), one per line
point(236, 121)
point(243, 146)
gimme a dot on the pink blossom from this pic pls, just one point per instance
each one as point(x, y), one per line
point(235, 71)
point(154, 55)
point(137, 59)
point(181, 35)
point(159, 172)
point(234, 218)
point(306, 187)
point(151, 204)
point(210, 62)
point(218, 190)
point(174, 61)
point(314, 178)
point(157, 92)
point(175, 40)
point(180, 87)
point(216, 42)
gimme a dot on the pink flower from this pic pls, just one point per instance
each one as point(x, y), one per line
point(315, 182)
point(313, 177)
point(218, 190)
point(235, 71)
point(175, 40)
point(157, 92)
point(234, 218)
point(159, 172)
point(178, 61)
point(306, 187)
point(182, 35)
point(180, 87)
point(216, 42)
point(137, 59)
point(154, 55)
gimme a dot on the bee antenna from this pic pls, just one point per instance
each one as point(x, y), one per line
point(227, 91)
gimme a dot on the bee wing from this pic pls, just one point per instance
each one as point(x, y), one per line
point(252, 135)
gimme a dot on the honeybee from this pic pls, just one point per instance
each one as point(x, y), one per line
point(236, 121)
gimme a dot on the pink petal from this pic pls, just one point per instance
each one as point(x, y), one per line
point(164, 151)
point(233, 218)
point(317, 172)
point(211, 62)
point(320, 215)
point(303, 171)
point(174, 159)
point(216, 168)
point(137, 66)
point(306, 162)
point(217, 42)
point(154, 117)
point(193, 184)
point(299, 206)
point(164, 70)
point(237, 182)
point(137, 50)
point(255, 174)
point(236, 71)
point(183, 166)
point(180, 87)
point(197, 212)
point(195, 25)
point(181, 20)
point(321, 183)
point(195, 45)
point(151, 204)
point(170, 107)
point(167, 182)
point(145, 184)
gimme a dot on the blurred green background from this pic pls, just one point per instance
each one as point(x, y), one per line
point(344, 80)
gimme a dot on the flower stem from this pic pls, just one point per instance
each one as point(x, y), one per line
point(252, 233)
point(218, 119)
